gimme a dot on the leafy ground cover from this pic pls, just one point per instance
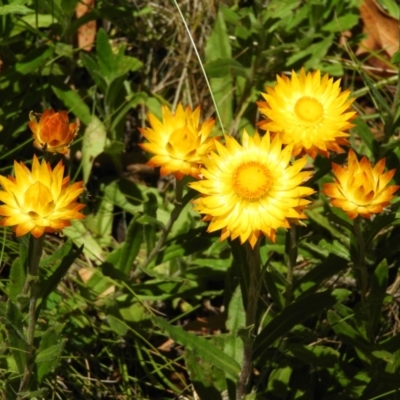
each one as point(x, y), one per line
point(138, 300)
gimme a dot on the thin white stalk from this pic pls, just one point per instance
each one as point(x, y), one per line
point(201, 64)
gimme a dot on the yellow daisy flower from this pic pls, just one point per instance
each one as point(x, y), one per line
point(53, 132)
point(251, 189)
point(178, 141)
point(359, 188)
point(39, 201)
point(310, 112)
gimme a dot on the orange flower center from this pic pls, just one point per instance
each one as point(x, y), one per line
point(361, 190)
point(309, 110)
point(251, 180)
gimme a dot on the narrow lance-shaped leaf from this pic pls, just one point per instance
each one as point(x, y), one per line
point(377, 294)
point(74, 102)
point(236, 320)
point(18, 344)
point(203, 348)
point(150, 209)
point(54, 279)
point(131, 246)
point(48, 353)
point(295, 314)
point(18, 271)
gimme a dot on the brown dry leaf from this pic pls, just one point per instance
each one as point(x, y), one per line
point(382, 32)
point(87, 32)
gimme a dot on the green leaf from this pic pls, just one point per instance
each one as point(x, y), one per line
point(380, 103)
point(38, 20)
point(384, 355)
point(324, 222)
point(118, 326)
point(51, 262)
point(273, 280)
point(278, 382)
point(131, 246)
point(127, 64)
point(208, 381)
point(94, 142)
point(396, 58)
point(55, 278)
point(348, 334)
point(379, 223)
point(202, 347)
point(218, 46)
point(80, 235)
point(114, 149)
point(342, 23)
point(15, 9)
point(34, 60)
point(358, 383)
point(96, 285)
point(48, 353)
point(313, 279)
point(317, 356)
point(126, 194)
point(18, 344)
point(236, 319)
point(202, 377)
point(362, 130)
point(150, 210)
point(314, 52)
point(295, 314)
point(336, 248)
point(74, 102)
point(392, 6)
point(377, 293)
point(93, 69)
point(223, 67)
point(114, 89)
point(19, 270)
point(184, 247)
point(100, 222)
point(130, 101)
point(105, 55)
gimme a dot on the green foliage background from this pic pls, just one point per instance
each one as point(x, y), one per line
point(112, 328)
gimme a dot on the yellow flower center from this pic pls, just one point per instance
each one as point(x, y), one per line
point(38, 201)
point(251, 180)
point(309, 110)
point(182, 143)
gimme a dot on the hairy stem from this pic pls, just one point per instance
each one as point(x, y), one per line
point(363, 275)
point(361, 260)
point(254, 266)
point(34, 255)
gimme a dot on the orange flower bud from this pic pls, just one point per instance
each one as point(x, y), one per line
point(53, 133)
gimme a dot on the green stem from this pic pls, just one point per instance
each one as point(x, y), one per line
point(179, 206)
point(34, 256)
point(291, 252)
point(254, 266)
point(363, 275)
point(363, 283)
